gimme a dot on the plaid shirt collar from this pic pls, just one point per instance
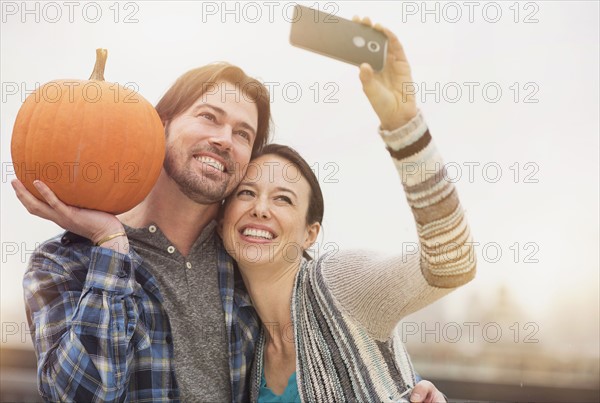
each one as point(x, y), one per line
point(242, 324)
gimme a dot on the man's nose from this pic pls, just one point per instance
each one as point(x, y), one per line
point(222, 137)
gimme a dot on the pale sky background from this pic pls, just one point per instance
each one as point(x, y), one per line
point(550, 130)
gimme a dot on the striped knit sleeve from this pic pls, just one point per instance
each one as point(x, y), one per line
point(378, 291)
point(447, 258)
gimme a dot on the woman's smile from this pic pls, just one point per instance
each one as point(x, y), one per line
point(257, 233)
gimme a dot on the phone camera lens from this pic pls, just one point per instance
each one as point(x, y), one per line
point(358, 41)
point(373, 46)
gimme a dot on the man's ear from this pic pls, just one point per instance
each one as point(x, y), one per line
point(312, 231)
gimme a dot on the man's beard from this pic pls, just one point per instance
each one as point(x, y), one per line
point(200, 188)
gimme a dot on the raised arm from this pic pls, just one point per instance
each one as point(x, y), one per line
point(378, 291)
point(81, 309)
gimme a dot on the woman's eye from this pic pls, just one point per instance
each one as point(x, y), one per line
point(284, 199)
point(245, 192)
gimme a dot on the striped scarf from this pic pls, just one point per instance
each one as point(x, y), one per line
point(336, 360)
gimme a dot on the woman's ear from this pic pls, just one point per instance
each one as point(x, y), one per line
point(312, 232)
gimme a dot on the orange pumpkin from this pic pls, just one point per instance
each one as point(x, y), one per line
point(97, 145)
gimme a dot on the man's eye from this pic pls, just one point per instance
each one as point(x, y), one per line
point(244, 134)
point(208, 116)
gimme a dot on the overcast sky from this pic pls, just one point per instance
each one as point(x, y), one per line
point(510, 92)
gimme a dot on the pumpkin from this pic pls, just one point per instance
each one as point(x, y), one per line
point(97, 145)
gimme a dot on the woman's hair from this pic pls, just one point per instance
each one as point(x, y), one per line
point(315, 200)
point(192, 85)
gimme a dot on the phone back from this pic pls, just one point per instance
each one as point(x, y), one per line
point(338, 38)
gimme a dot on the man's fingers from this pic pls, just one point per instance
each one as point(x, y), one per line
point(421, 391)
point(24, 195)
point(49, 196)
point(426, 392)
point(437, 397)
point(31, 203)
point(17, 185)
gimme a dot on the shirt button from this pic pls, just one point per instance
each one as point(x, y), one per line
point(188, 265)
point(169, 339)
point(122, 274)
point(171, 249)
point(152, 228)
point(170, 395)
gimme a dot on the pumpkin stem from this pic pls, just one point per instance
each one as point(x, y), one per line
point(98, 73)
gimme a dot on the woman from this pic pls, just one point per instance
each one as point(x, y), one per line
point(328, 323)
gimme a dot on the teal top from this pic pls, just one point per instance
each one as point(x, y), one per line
point(289, 395)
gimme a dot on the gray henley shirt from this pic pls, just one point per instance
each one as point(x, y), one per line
point(190, 289)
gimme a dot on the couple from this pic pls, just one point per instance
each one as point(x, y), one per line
point(133, 308)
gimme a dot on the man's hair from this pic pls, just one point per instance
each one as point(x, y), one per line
point(192, 85)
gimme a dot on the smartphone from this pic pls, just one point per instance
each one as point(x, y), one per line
point(335, 37)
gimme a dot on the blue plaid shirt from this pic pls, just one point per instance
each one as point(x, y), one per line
point(100, 330)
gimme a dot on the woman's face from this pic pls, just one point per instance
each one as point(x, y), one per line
point(265, 217)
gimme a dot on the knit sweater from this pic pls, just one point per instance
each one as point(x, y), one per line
point(345, 306)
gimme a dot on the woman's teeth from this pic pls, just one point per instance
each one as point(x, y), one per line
point(257, 233)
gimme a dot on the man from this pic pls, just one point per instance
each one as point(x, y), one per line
point(133, 308)
point(153, 322)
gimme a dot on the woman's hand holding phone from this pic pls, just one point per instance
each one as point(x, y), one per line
point(387, 89)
